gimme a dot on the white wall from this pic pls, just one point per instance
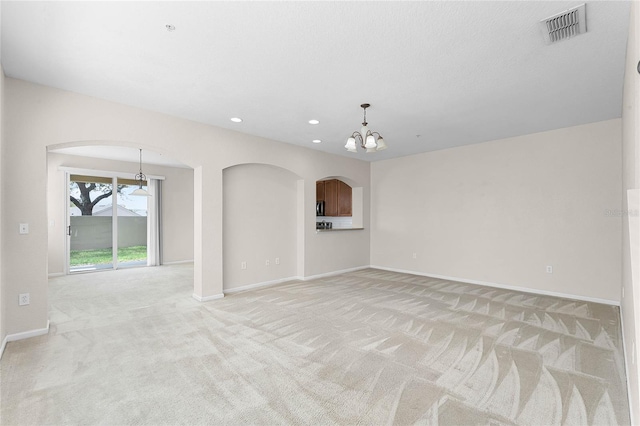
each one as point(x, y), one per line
point(24, 256)
point(260, 224)
point(500, 211)
point(177, 208)
point(2, 247)
point(177, 213)
point(631, 181)
point(341, 249)
point(39, 116)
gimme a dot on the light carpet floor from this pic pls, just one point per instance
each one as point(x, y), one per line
point(364, 348)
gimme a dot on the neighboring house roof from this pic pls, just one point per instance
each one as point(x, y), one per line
point(108, 211)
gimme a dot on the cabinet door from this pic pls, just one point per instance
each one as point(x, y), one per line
point(320, 190)
point(344, 199)
point(331, 197)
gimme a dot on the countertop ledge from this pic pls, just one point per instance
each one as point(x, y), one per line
point(339, 229)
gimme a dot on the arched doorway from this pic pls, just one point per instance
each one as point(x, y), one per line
point(125, 225)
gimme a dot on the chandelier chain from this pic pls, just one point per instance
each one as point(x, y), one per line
point(141, 176)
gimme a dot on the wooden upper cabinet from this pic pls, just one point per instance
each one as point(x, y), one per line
point(320, 190)
point(344, 199)
point(331, 197)
point(336, 196)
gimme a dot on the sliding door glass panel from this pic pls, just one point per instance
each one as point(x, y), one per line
point(90, 223)
point(132, 226)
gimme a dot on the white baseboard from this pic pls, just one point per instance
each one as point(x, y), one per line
point(55, 274)
point(258, 285)
point(329, 274)
point(504, 286)
point(295, 278)
point(24, 335)
point(4, 345)
point(626, 369)
point(207, 298)
point(178, 262)
point(404, 271)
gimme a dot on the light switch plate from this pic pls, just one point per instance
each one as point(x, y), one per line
point(24, 228)
point(24, 299)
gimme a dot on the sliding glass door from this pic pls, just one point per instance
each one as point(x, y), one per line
point(90, 227)
point(95, 240)
point(132, 227)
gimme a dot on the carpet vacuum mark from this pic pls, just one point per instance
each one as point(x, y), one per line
point(363, 348)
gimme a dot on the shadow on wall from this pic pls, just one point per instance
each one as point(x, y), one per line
point(261, 224)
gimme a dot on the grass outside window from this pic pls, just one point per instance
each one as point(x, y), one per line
point(105, 256)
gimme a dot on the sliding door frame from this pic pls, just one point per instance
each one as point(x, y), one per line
point(114, 180)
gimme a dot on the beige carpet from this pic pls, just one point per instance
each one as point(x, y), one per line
point(364, 348)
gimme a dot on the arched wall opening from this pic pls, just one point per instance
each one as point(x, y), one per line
point(357, 201)
point(262, 225)
point(177, 227)
point(43, 118)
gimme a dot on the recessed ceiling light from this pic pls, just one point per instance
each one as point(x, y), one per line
point(314, 122)
point(170, 27)
point(236, 120)
point(316, 141)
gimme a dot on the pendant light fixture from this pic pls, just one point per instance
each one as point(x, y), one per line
point(368, 140)
point(141, 178)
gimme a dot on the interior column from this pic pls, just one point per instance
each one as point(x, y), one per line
point(207, 228)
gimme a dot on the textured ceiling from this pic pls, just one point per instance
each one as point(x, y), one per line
point(454, 73)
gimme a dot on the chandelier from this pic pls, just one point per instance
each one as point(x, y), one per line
point(141, 178)
point(368, 140)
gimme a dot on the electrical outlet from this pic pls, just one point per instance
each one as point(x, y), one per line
point(277, 260)
point(549, 269)
point(243, 265)
point(23, 299)
point(267, 263)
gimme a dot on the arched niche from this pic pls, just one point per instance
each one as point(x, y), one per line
point(262, 225)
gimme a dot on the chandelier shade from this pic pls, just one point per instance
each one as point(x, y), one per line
point(368, 140)
point(351, 145)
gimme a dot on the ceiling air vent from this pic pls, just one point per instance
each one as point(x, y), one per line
point(564, 25)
